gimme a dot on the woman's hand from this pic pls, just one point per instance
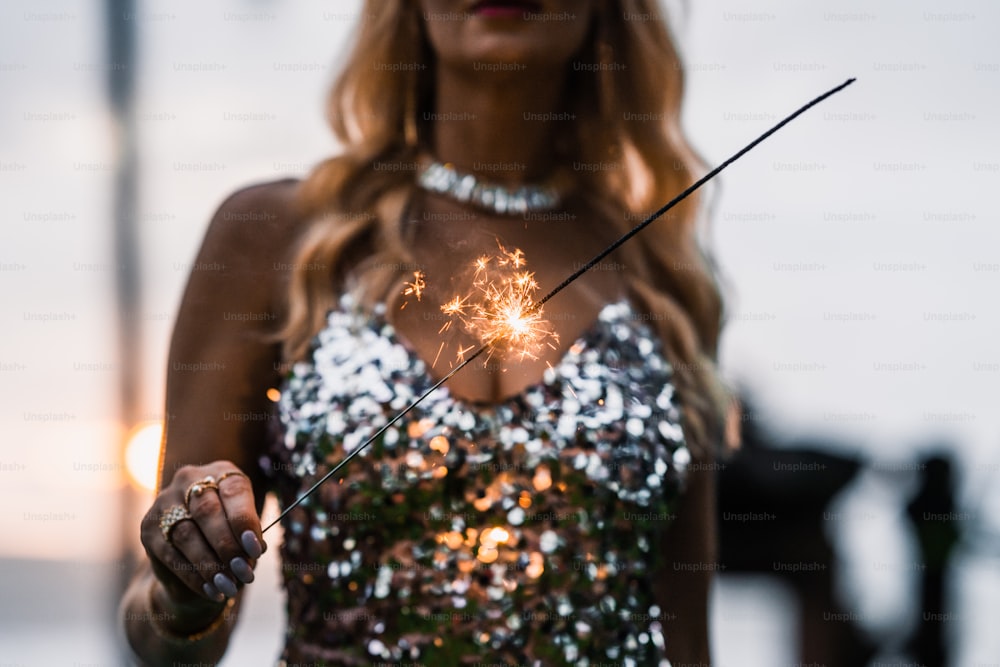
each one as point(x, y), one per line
point(203, 534)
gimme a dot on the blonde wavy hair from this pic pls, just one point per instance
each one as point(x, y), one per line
point(629, 115)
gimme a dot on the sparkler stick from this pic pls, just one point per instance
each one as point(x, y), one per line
point(379, 432)
point(694, 186)
point(561, 286)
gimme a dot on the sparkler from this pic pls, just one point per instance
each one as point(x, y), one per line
point(500, 310)
point(520, 318)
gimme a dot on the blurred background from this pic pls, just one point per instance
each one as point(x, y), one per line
point(860, 247)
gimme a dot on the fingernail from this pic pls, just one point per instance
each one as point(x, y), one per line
point(212, 592)
point(225, 584)
point(241, 569)
point(251, 544)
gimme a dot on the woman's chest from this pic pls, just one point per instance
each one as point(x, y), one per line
point(479, 285)
point(604, 416)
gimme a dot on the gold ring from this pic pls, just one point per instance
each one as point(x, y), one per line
point(231, 473)
point(171, 517)
point(199, 487)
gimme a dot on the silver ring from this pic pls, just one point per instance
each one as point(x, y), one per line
point(171, 518)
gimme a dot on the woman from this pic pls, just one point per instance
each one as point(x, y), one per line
point(542, 510)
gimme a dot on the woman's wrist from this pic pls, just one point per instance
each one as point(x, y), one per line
point(162, 631)
point(185, 623)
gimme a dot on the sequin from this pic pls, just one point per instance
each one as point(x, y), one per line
point(548, 541)
point(515, 517)
point(468, 533)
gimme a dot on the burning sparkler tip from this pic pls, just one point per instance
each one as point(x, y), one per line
point(500, 309)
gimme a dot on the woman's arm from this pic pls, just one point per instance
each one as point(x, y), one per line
point(689, 552)
point(220, 368)
point(216, 421)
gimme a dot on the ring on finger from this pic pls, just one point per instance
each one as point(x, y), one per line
point(171, 517)
point(231, 473)
point(199, 487)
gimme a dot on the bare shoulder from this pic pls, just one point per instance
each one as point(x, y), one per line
point(255, 222)
point(252, 240)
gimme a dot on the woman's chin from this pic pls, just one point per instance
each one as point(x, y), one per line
point(509, 52)
point(529, 33)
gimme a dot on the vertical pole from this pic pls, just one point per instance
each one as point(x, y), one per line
point(121, 69)
point(120, 26)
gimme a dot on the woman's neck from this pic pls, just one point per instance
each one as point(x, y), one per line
point(501, 125)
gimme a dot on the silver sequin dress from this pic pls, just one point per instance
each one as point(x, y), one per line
point(522, 533)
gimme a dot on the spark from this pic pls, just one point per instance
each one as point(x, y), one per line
point(414, 287)
point(456, 306)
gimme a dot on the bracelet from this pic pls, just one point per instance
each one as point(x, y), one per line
point(183, 640)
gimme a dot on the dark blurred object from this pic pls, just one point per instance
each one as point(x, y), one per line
point(772, 505)
point(935, 524)
point(120, 63)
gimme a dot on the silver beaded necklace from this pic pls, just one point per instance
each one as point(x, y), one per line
point(444, 179)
